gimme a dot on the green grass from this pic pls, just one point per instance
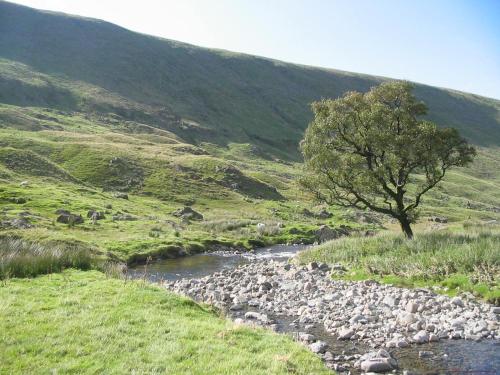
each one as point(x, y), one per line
point(85, 323)
point(455, 261)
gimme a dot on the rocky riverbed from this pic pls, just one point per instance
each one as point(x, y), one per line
point(378, 318)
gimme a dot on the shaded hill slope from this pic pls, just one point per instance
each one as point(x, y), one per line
point(72, 63)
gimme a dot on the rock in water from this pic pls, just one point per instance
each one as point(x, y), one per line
point(306, 337)
point(346, 334)
point(318, 347)
point(421, 337)
point(377, 365)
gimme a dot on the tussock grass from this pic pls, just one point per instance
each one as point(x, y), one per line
point(20, 258)
point(469, 259)
point(221, 226)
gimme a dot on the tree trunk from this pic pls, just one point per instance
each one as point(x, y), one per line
point(405, 226)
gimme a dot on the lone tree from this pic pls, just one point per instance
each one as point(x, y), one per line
point(372, 151)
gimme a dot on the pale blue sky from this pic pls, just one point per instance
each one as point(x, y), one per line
point(447, 43)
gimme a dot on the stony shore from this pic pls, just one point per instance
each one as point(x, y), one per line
point(379, 316)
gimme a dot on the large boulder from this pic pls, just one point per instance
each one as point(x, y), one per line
point(377, 365)
point(69, 218)
point(187, 213)
point(325, 233)
point(62, 211)
point(379, 361)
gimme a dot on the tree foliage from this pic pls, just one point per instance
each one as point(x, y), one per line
point(365, 150)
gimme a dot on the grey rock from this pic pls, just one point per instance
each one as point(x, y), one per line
point(69, 218)
point(389, 301)
point(412, 307)
point(188, 213)
point(318, 347)
point(252, 315)
point(421, 337)
point(407, 318)
point(433, 338)
point(98, 215)
point(329, 357)
point(377, 365)
point(16, 223)
point(346, 334)
point(306, 337)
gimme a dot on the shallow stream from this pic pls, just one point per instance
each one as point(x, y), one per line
point(449, 356)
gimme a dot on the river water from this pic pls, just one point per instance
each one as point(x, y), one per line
point(449, 356)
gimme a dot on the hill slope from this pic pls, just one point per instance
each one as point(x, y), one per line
point(88, 109)
point(79, 64)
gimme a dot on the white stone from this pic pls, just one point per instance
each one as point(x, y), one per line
point(412, 307)
point(346, 334)
point(421, 337)
point(376, 365)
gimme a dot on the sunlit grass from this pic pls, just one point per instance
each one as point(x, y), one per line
point(466, 260)
point(84, 323)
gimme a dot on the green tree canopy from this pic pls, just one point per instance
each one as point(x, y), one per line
point(364, 150)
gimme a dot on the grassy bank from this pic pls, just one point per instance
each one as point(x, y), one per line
point(83, 322)
point(452, 261)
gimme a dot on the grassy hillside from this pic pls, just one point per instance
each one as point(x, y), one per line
point(83, 322)
point(80, 162)
point(199, 94)
point(175, 125)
